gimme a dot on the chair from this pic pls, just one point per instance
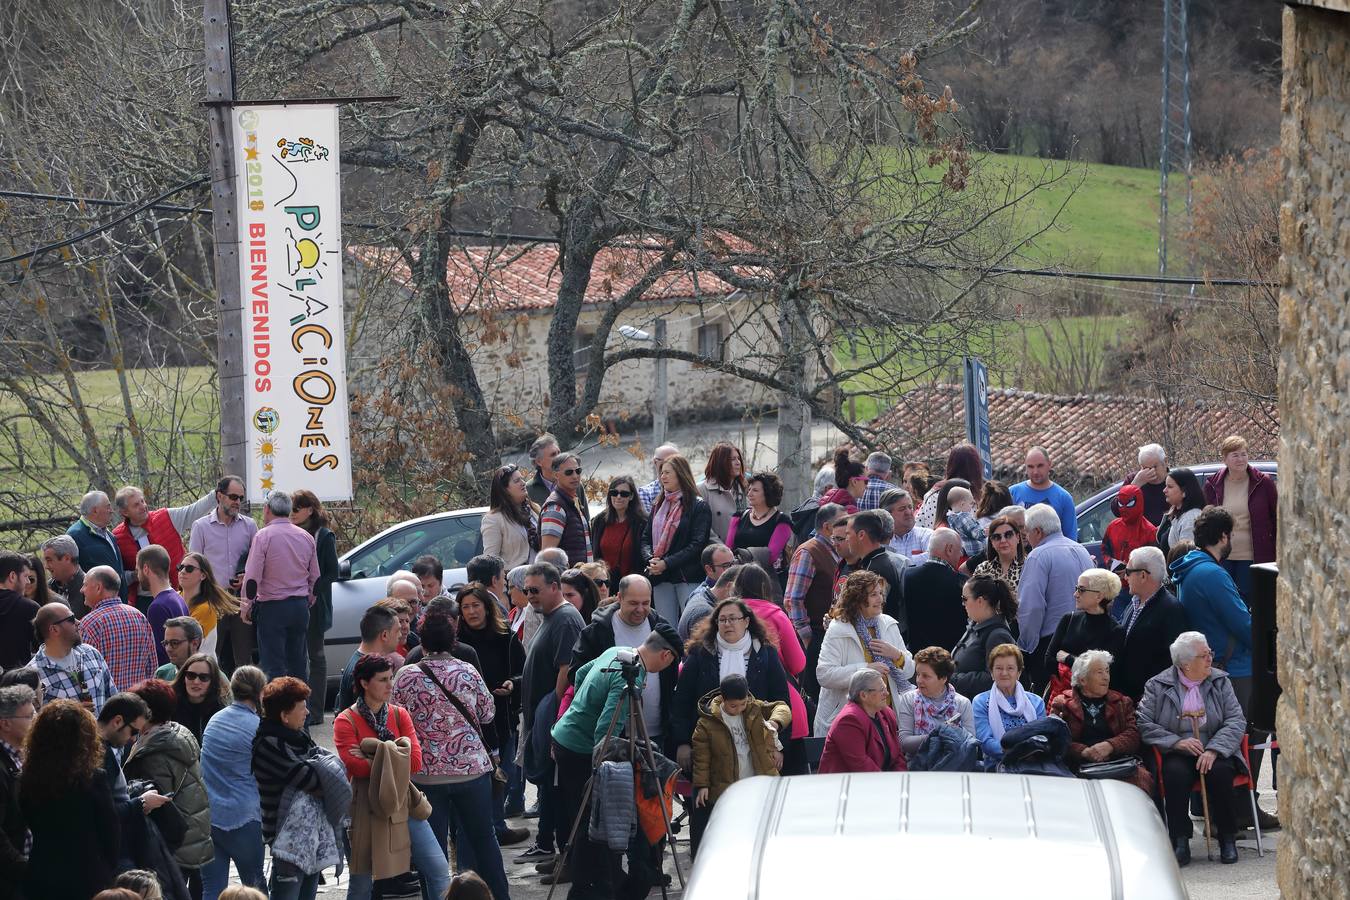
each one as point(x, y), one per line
point(815, 748)
point(1241, 779)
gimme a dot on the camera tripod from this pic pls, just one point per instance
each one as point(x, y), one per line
point(639, 754)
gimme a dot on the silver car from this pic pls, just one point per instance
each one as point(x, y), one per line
point(452, 537)
point(934, 834)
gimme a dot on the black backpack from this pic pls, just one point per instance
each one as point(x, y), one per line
point(803, 520)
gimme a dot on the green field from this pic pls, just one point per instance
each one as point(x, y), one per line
point(1106, 217)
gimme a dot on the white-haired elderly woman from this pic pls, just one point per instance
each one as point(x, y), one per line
point(1101, 721)
point(1191, 715)
point(1088, 627)
point(865, 736)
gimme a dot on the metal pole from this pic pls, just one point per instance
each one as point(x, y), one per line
point(225, 235)
point(659, 407)
point(1164, 160)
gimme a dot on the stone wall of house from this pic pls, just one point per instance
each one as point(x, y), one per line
point(1314, 655)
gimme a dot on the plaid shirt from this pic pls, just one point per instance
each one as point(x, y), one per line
point(871, 498)
point(122, 634)
point(801, 572)
point(57, 683)
point(648, 494)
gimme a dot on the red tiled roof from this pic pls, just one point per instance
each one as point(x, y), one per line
point(518, 277)
point(1095, 438)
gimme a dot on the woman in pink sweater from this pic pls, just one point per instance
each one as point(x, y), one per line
point(751, 583)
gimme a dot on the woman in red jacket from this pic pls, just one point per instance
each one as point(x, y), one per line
point(865, 736)
point(1250, 497)
point(373, 716)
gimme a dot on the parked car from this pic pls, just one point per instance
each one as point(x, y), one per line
point(950, 834)
point(452, 537)
point(1094, 513)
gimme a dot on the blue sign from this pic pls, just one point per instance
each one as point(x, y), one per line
point(977, 410)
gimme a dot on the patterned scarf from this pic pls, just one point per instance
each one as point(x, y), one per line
point(868, 630)
point(929, 714)
point(1191, 699)
point(669, 515)
point(378, 721)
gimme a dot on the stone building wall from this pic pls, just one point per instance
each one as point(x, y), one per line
point(1313, 717)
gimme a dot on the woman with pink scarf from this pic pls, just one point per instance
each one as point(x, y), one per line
point(674, 539)
point(1192, 690)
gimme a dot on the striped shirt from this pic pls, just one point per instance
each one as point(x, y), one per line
point(912, 546)
point(122, 634)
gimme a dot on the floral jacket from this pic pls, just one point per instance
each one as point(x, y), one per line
point(451, 746)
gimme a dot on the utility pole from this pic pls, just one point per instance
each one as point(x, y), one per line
point(1174, 153)
point(659, 395)
point(225, 235)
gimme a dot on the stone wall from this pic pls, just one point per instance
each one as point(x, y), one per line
point(1314, 620)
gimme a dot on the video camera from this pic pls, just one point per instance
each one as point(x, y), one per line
point(626, 663)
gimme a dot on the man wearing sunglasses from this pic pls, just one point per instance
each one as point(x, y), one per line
point(70, 669)
point(118, 631)
point(224, 534)
point(563, 520)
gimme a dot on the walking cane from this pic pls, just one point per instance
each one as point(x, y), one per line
point(1204, 791)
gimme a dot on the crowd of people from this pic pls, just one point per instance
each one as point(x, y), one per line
point(878, 626)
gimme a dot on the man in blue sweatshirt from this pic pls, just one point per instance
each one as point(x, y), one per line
point(1215, 607)
point(1038, 488)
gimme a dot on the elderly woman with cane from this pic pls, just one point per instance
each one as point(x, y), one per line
point(1191, 715)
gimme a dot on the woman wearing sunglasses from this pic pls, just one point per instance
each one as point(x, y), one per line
point(201, 691)
point(1004, 555)
point(214, 608)
point(616, 532)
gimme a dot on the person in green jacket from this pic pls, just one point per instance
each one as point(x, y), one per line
point(599, 693)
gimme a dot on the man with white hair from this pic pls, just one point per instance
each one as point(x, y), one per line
point(1046, 591)
point(1152, 622)
point(93, 538)
point(1038, 488)
point(932, 594)
point(878, 480)
point(61, 557)
point(142, 526)
point(652, 489)
point(1149, 479)
point(279, 579)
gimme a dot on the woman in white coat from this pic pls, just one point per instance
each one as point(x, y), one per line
point(860, 636)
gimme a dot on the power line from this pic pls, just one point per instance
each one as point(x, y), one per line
point(997, 271)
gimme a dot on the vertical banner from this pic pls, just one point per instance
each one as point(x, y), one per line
point(977, 411)
point(290, 259)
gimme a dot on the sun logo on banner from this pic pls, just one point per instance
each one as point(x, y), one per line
point(305, 253)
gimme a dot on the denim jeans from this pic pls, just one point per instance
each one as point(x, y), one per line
point(318, 670)
point(282, 629)
point(289, 883)
point(467, 807)
point(244, 845)
point(427, 856)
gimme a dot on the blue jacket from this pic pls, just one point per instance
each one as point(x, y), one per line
point(1215, 607)
point(96, 551)
point(993, 750)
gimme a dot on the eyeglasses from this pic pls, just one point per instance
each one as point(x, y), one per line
point(173, 643)
point(531, 592)
point(722, 567)
point(1079, 589)
point(1135, 571)
point(197, 676)
point(858, 478)
point(729, 620)
point(29, 716)
point(70, 618)
point(839, 538)
point(619, 493)
point(1003, 536)
point(569, 472)
point(187, 567)
point(237, 498)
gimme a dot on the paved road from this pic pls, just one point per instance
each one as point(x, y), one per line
point(1253, 878)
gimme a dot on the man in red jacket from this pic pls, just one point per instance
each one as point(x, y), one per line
point(141, 526)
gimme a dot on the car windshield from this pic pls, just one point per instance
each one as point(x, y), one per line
point(454, 540)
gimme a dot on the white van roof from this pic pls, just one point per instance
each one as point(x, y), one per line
point(933, 834)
